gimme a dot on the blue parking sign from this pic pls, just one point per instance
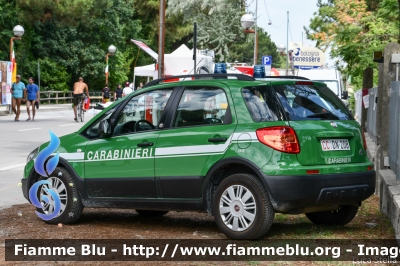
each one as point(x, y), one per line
point(267, 60)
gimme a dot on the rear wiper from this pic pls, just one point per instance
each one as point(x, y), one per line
point(323, 114)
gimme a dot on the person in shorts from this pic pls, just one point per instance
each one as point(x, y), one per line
point(31, 94)
point(79, 96)
point(105, 94)
point(17, 90)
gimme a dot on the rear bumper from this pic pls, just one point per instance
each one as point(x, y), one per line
point(299, 194)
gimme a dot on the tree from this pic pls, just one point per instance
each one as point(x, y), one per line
point(8, 20)
point(218, 22)
point(81, 47)
point(71, 12)
point(353, 30)
point(242, 49)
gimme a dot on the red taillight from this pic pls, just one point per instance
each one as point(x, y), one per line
point(280, 138)
point(370, 168)
point(304, 83)
point(364, 141)
point(312, 172)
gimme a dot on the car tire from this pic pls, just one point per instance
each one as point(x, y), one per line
point(151, 213)
point(242, 208)
point(65, 186)
point(342, 216)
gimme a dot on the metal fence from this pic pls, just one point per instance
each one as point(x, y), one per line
point(371, 113)
point(394, 127)
point(66, 97)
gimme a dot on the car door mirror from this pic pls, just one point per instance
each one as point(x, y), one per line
point(105, 128)
point(345, 95)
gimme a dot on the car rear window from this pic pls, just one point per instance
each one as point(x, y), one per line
point(311, 102)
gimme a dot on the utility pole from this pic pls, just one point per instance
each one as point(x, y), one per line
point(255, 37)
point(161, 39)
point(287, 43)
point(194, 46)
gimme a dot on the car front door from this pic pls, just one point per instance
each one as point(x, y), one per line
point(197, 137)
point(122, 165)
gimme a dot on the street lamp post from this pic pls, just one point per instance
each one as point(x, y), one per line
point(18, 32)
point(282, 48)
point(247, 22)
point(111, 51)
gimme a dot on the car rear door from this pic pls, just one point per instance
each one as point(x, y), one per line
point(196, 136)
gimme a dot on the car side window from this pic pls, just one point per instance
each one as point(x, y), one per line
point(143, 112)
point(93, 131)
point(261, 104)
point(202, 106)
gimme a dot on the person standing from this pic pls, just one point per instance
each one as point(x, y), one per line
point(118, 93)
point(140, 86)
point(17, 90)
point(127, 90)
point(31, 95)
point(105, 94)
point(79, 87)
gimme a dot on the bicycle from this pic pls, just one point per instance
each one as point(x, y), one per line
point(80, 111)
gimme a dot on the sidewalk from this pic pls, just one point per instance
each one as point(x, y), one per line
point(42, 108)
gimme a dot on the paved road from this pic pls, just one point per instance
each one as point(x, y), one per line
point(18, 139)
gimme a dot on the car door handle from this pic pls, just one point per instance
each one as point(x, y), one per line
point(145, 144)
point(217, 140)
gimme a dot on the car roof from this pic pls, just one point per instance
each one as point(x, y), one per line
point(229, 78)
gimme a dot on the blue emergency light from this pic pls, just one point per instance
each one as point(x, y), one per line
point(220, 68)
point(259, 71)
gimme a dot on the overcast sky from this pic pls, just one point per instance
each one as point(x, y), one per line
point(300, 13)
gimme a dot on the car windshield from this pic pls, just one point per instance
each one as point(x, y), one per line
point(310, 102)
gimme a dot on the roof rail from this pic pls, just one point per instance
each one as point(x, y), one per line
point(287, 77)
point(200, 76)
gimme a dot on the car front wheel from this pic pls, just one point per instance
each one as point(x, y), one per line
point(68, 202)
point(241, 206)
point(342, 216)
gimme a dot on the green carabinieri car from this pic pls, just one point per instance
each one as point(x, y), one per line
point(238, 148)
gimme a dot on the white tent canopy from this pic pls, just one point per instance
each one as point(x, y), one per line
point(146, 71)
point(179, 62)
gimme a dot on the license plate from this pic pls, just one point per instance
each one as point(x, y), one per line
point(335, 145)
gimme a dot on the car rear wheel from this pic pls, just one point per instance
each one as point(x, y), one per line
point(63, 185)
point(241, 207)
point(151, 213)
point(342, 216)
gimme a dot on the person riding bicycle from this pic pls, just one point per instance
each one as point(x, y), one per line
point(79, 87)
